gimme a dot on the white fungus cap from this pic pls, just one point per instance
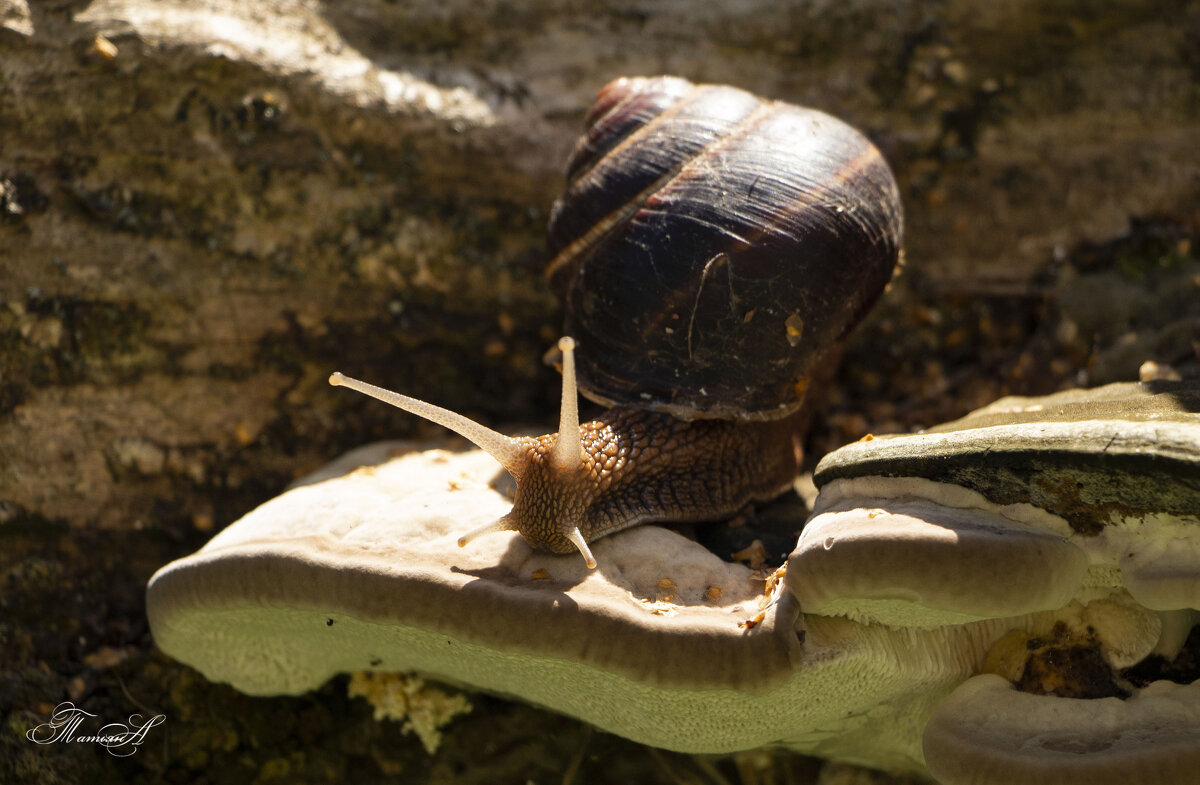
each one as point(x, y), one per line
point(988, 733)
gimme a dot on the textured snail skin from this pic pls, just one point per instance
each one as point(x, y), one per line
point(640, 466)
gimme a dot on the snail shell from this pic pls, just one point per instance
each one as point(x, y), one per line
point(711, 245)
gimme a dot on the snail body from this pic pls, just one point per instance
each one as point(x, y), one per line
point(629, 466)
point(710, 249)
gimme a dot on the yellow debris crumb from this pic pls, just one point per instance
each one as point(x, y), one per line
point(658, 607)
point(541, 574)
point(750, 624)
point(242, 433)
point(794, 329)
point(772, 589)
point(1008, 655)
point(103, 47)
point(754, 555)
point(403, 696)
point(775, 579)
point(106, 657)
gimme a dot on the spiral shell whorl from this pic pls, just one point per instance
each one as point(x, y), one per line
point(710, 246)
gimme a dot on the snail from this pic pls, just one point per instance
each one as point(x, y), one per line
point(710, 248)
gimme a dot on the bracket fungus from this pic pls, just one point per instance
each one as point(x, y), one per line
point(361, 572)
point(1015, 508)
point(988, 733)
point(1075, 515)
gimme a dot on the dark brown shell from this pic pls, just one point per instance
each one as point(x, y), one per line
point(710, 246)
